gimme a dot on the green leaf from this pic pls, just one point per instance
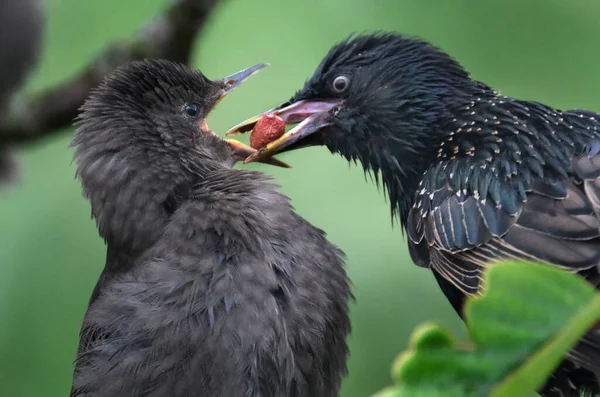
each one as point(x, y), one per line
point(521, 327)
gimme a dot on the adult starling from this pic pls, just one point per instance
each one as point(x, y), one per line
point(213, 285)
point(474, 176)
point(21, 32)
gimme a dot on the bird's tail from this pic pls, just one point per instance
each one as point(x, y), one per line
point(579, 374)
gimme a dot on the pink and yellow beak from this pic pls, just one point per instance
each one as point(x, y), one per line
point(241, 151)
point(310, 116)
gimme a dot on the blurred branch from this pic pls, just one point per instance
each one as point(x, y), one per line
point(169, 36)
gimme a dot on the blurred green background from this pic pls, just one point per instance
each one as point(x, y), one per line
point(50, 254)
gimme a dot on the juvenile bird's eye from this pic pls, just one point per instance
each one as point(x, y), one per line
point(192, 109)
point(340, 83)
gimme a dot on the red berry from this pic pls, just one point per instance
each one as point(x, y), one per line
point(267, 129)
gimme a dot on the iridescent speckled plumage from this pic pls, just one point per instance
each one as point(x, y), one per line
point(473, 176)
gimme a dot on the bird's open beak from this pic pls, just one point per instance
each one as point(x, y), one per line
point(239, 150)
point(310, 115)
point(242, 152)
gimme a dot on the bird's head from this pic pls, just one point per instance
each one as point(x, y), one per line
point(142, 136)
point(374, 98)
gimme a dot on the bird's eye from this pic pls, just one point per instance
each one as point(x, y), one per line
point(192, 109)
point(340, 83)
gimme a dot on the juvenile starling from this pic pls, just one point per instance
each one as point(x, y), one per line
point(474, 176)
point(21, 32)
point(213, 285)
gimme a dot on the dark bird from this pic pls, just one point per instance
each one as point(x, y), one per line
point(21, 32)
point(472, 175)
point(213, 285)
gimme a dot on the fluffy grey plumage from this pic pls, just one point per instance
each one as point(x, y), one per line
point(21, 31)
point(213, 285)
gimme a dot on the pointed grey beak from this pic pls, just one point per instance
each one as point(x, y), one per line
point(232, 82)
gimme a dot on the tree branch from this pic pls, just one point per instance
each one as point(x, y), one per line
point(170, 36)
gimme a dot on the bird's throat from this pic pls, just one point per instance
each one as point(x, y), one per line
point(400, 174)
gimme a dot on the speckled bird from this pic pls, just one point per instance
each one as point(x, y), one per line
point(213, 285)
point(473, 176)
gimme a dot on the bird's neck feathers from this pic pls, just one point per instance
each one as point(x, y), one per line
point(237, 210)
point(477, 136)
point(395, 145)
point(130, 200)
point(252, 194)
point(394, 130)
point(395, 165)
